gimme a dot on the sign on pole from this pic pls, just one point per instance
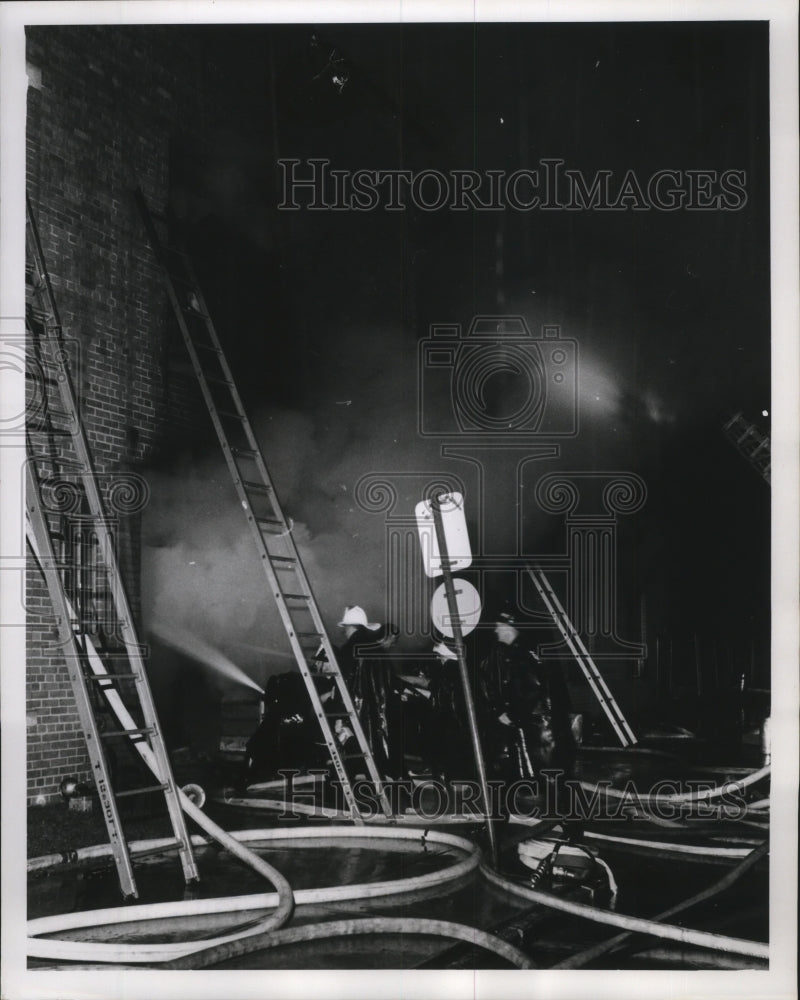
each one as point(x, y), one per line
point(454, 523)
point(468, 601)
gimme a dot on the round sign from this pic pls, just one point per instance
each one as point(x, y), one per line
point(468, 602)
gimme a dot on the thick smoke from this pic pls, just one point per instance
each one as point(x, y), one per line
point(200, 567)
point(201, 573)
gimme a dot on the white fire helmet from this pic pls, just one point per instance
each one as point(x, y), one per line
point(357, 616)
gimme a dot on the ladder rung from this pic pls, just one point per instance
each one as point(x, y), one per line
point(339, 714)
point(41, 379)
point(74, 463)
point(257, 487)
point(230, 415)
point(42, 427)
point(99, 678)
point(144, 731)
point(192, 311)
point(178, 280)
point(272, 522)
point(141, 791)
point(216, 380)
point(48, 363)
point(206, 347)
point(296, 597)
point(45, 364)
point(163, 845)
point(352, 756)
point(244, 453)
point(288, 561)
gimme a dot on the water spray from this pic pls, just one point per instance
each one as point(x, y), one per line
point(202, 652)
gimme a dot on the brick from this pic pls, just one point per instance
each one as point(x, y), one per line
point(99, 125)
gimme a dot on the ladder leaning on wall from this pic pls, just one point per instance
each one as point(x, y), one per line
point(285, 575)
point(751, 443)
point(582, 656)
point(71, 539)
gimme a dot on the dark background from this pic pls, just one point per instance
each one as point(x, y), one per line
point(321, 313)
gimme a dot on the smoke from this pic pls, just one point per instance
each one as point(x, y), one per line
point(202, 576)
point(201, 572)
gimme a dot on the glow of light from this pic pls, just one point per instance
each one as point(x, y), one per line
point(202, 652)
point(765, 413)
point(597, 387)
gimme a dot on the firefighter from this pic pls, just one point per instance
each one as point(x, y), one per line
point(367, 666)
point(524, 705)
point(288, 734)
point(450, 743)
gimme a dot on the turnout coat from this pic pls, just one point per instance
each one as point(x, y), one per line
point(524, 705)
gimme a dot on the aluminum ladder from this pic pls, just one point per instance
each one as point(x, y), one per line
point(72, 541)
point(580, 652)
point(751, 443)
point(271, 530)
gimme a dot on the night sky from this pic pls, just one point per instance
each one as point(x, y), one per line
point(322, 312)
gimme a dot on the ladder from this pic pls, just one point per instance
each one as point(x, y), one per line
point(71, 539)
point(749, 440)
point(271, 530)
point(580, 652)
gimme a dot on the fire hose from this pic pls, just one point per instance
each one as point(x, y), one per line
point(267, 933)
point(582, 958)
point(284, 904)
point(698, 796)
point(702, 939)
point(99, 951)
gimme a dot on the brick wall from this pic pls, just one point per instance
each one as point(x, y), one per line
point(101, 121)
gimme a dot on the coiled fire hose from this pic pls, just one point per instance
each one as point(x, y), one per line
point(589, 954)
point(158, 952)
point(264, 934)
point(701, 795)
point(344, 928)
point(285, 902)
point(702, 939)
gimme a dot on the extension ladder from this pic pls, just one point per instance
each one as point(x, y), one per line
point(754, 445)
point(271, 529)
point(585, 662)
point(71, 539)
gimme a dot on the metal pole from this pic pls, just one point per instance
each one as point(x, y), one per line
point(698, 667)
point(658, 666)
point(670, 680)
point(452, 606)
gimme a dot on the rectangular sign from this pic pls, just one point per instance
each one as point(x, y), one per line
point(455, 534)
